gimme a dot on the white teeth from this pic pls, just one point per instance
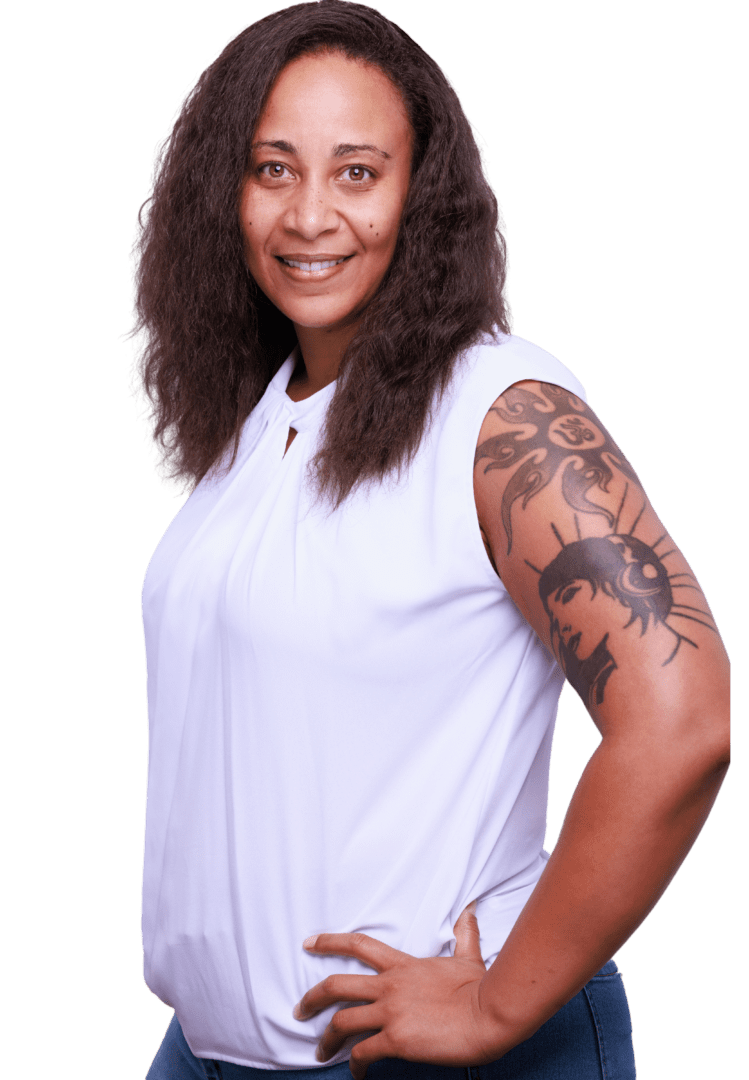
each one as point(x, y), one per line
point(311, 267)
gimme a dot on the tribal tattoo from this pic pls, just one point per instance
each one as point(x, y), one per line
point(553, 433)
point(618, 568)
point(622, 574)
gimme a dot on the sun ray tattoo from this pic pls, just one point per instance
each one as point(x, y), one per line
point(553, 433)
point(620, 572)
point(620, 568)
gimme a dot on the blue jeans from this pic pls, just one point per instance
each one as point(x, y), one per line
point(590, 1038)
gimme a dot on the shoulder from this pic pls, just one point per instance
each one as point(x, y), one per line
point(582, 552)
point(536, 432)
point(483, 377)
point(541, 364)
point(493, 365)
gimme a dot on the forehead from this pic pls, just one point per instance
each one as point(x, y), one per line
point(331, 97)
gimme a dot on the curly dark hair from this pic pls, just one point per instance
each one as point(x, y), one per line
point(214, 341)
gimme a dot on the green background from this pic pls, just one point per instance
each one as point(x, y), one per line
point(612, 135)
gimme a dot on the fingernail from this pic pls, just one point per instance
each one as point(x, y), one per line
point(319, 1055)
point(309, 943)
point(296, 1012)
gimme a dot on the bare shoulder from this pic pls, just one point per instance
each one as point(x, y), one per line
point(575, 540)
point(535, 430)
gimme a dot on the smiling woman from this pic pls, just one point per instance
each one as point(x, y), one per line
point(356, 643)
point(321, 205)
point(213, 334)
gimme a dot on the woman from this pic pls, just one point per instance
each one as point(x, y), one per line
point(351, 705)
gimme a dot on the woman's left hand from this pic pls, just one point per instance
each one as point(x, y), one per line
point(419, 1010)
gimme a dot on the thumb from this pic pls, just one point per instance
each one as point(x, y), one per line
point(467, 937)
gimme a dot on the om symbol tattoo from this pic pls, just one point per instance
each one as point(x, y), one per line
point(552, 433)
point(574, 431)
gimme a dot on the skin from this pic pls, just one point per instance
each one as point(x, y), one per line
point(649, 786)
point(328, 179)
point(582, 619)
point(636, 811)
point(574, 618)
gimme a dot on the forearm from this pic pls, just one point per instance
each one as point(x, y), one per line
point(635, 814)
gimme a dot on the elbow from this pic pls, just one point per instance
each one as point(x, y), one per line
point(705, 753)
point(700, 732)
point(686, 751)
point(717, 756)
point(711, 738)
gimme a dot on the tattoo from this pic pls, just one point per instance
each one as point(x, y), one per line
point(614, 571)
point(555, 431)
point(489, 551)
point(596, 587)
point(589, 676)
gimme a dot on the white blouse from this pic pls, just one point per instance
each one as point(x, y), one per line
point(350, 721)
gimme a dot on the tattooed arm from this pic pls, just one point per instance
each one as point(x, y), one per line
point(569, 530)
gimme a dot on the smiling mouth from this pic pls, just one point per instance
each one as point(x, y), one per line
point(313, 267)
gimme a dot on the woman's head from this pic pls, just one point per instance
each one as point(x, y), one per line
point(617, 569)
point(214, 340)
point(322, 199)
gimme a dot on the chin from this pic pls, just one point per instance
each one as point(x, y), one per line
point(317, 324)
point(316, 320)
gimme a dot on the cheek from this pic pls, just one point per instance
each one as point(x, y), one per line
point(379, 226)
point(567, 616)
point(258, 263)
point(254, 224)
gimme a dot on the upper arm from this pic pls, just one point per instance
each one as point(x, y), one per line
point(583, 554)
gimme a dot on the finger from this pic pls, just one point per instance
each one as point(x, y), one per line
point(467, 935)
point(333, 989)
point(366, 1053)
point(344, 1024)
point(376, 954)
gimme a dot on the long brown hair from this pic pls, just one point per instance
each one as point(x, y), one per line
point(212, 339)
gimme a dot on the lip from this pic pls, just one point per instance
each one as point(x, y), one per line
point(313, 256)
point(332, 265)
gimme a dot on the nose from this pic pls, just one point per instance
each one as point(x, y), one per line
point(311, 210)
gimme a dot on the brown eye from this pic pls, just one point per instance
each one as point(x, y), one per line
point(358, 173)
point(273, 169)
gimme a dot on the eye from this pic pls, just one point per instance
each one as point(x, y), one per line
point(274, 170)
point(358, 173)
point(569, 592)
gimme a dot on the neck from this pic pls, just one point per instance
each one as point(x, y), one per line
point(322, 350)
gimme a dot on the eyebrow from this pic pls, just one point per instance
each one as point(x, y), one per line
point(342, 150)
point(349, 148)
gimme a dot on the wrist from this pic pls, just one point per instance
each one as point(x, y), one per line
point(503, 1024)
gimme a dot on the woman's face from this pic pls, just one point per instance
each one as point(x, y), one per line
point(582, 616)
point(322, 202)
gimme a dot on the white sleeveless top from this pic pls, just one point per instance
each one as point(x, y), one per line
point(350, 722)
